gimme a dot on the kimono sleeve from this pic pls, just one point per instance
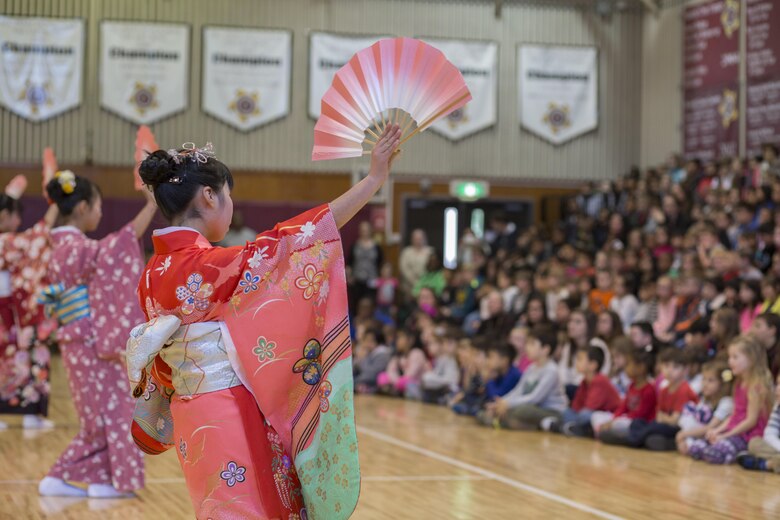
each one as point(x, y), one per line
point(287, 328)
point(113, 303)
point(26, 247)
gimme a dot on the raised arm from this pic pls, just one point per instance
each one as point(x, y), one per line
point(347, 205)
point(144, 218)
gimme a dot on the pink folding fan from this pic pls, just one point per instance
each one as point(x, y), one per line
point(144, 145)
point(395, 81)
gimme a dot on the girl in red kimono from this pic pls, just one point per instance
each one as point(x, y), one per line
point(245, 365)
point(24, 331)
point(92, 299)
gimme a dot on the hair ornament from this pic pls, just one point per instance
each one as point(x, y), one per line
point(727, 376)
point(193, 153)
point(67, 180)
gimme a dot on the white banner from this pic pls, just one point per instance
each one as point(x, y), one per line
point(246, 75)
point(144, 69)
point(478, 62)
point(558, 91)
point(42, 63)
point(327, 54)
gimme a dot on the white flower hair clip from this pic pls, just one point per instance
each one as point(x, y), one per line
point(192, 152)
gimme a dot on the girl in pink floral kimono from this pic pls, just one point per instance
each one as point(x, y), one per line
point(245, 363)
point(24, 331)
point(92, 299)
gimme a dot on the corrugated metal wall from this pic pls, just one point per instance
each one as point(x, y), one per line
point(91, 134)
point(662, 95)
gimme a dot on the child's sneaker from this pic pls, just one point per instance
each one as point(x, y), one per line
point(572, 429)
point(550, 424)
point(751, 462)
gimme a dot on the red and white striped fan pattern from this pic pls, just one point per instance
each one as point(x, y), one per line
point(398, 80)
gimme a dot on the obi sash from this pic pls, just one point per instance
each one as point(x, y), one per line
point(66, 305)
point(207, 367)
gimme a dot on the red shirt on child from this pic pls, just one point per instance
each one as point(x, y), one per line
point(673, 402)
point(599, 394)
point(639, 403)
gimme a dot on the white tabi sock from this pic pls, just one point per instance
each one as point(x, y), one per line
point(56, 487)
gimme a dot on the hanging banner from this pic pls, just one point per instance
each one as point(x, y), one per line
point(327, 54)
point(246, 75)
point(763, 74)
point(42, 63)
point(558, 89)
point(144, 69)
point(478, 62)
point(711, 97)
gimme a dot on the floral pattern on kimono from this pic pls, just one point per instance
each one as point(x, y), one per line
point(24, 330)
point(282, 303)
point(103, 451)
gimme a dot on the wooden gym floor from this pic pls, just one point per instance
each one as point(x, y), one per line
point(421, 461)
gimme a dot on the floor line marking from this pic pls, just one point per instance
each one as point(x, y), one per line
point(488, 474)
point(375, 478)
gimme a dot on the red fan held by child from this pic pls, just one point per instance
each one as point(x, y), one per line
point(395, 81)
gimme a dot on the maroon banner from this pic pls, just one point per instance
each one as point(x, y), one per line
point(763, 73)
point(711, 72)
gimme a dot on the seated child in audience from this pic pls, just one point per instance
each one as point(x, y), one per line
point(695, 358)
point(639, 403)
point(502, 374)
point(517, 338)
point(595, 393)
point(621, 348)
point(371, 358)
point(600, 297)
point(714, 407)
point(753, 401)
point(472, 363)
point(624, 303)
point(441, 380)
point(764, 452)
point(659, 435)
point(537, 395)
point(647, 309)
point(406, 366)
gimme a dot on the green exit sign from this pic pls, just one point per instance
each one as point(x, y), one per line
point(469, 190)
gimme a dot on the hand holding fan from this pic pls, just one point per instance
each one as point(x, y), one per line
point(395, 81)
point(144, 145)
point(15, 188)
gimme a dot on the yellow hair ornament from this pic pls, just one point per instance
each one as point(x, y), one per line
point(67, 180)
point(727, 376)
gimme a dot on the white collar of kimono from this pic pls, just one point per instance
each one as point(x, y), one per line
point(72, 229)
point(173, 229)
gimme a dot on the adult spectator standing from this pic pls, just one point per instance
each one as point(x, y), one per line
point(414, 261)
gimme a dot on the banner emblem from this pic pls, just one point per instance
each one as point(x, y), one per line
point(457, 118)
point(246, 105)
point(730, 17)
point(557, 117)
point(144, 98)
point(728, 108)
point(36, 96)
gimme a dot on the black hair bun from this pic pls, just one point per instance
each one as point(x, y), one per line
point(157, 168)
point(55, 191)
